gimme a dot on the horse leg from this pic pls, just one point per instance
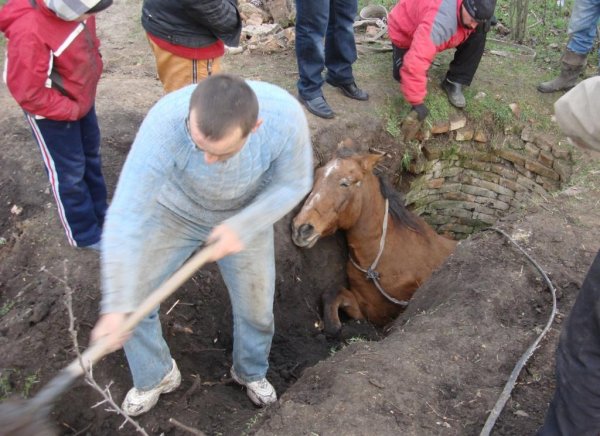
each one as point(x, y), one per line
point(334, 301)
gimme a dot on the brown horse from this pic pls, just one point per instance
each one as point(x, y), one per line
point(391, 250)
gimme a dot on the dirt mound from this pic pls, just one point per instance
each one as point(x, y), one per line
point(448, 356)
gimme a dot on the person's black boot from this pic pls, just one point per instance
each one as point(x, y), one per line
point(455, 94)
point(318, 106)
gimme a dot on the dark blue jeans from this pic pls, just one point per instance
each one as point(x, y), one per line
point(324, 38)
point(71, 154)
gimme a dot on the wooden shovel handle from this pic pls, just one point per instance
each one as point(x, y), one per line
point(101, 347)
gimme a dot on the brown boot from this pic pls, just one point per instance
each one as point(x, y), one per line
point(572, 66)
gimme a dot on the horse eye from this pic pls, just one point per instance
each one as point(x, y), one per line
point(344, 183)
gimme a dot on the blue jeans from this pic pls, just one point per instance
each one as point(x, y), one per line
point(329, 20)
point(250, 280)
point(71, 154)
point(582, 26)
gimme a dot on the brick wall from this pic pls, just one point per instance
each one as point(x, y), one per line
point(469, 181)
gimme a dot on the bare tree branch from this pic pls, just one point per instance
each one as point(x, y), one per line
point(88, 375)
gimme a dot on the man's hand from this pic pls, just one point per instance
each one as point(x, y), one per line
point(412, 123)
point(225, 242)
point(106, 327)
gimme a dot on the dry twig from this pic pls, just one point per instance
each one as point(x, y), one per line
point(88, 375)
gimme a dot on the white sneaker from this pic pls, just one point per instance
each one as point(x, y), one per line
point(261, 392)
point(137, 402)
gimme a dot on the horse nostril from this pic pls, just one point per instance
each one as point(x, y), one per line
point(306, 230)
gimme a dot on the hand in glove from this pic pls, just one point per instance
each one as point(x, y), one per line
point(412, 123)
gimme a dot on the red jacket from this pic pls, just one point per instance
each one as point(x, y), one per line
point(425, 28)
point(52, 66)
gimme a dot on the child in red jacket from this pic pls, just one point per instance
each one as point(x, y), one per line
point(52, 69)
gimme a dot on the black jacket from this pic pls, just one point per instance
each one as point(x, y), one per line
point(193, 23)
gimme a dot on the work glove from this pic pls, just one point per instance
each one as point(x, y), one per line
point(413, 121)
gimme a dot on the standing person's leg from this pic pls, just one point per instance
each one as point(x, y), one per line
point(176, 72)
point(63, 154)
point(583, 26)
point(575, 408)
point(169, 242)
point(311, 25)
point(463, 67)
point(250, 279)
point(582, 35)
point(340, 46)
point(90, 137)
point(467, 57)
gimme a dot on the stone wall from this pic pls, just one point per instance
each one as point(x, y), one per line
point(467, 182)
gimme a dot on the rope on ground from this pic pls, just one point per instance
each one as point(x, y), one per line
point(508, 387)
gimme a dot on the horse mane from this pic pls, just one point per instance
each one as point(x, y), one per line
point(397, 208)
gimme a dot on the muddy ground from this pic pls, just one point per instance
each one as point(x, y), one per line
point(437, 370)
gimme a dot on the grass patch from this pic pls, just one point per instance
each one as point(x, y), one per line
point(251, 423)
point(406, 160)
point(27, 382)
point(438, 105)
point(392, 113)
point(5, 387)
point(485, 109)
point(6, 308)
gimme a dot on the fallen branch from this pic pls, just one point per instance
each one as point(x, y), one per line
point(88, 376)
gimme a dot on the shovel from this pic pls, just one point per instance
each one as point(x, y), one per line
point(30, 417)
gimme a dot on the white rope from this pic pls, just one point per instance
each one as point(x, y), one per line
point(373, 275)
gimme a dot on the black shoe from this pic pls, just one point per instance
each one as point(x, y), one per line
point(317, 106)
point(351, 90)
point(455, 94)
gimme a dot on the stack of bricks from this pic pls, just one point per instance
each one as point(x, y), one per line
point(469, 182)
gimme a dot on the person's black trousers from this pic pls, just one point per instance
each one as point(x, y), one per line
point(464, 65)
point(575, 407)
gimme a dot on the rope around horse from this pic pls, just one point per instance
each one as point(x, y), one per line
point(373, 275)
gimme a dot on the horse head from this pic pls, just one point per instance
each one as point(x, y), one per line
point(335, 201)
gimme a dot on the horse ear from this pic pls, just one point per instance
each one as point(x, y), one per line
point(368, 161)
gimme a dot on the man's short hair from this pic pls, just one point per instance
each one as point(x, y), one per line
point(221, 103)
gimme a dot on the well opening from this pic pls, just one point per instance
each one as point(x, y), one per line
point(467, 179)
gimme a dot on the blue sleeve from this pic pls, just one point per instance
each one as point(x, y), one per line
point(132, 206)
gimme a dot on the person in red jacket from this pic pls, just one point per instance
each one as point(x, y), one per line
point(52, 69)
point(419, 29)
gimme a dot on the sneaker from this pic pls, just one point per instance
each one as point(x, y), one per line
point(137, 402)
point(261, 392)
